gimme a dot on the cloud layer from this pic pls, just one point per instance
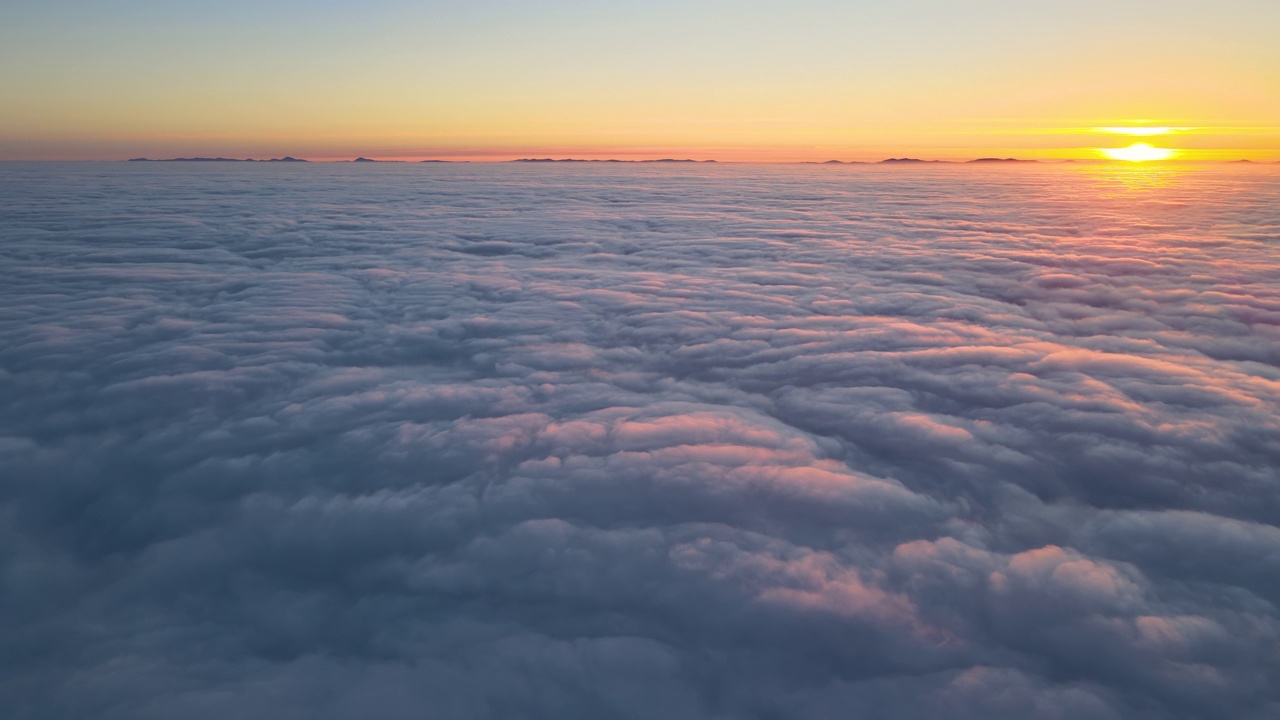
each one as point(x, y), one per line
point(689, 442)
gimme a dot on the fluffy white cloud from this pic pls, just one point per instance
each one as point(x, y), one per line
point(704, 442)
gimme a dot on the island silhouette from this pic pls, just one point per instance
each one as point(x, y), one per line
point(216, 159)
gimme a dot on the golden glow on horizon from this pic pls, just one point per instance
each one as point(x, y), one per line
point(1138, 152)
point(1140, 131)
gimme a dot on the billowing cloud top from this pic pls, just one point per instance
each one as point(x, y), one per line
point(638, 442)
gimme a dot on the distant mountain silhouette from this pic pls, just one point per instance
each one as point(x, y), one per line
point(190, 159)
point(888, 161)
point(217, 159)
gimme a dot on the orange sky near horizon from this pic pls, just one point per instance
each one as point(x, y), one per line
point(745, 81)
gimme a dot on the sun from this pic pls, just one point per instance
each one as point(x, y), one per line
point(1138, 152)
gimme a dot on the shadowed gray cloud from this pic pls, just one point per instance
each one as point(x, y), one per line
point(590, 441)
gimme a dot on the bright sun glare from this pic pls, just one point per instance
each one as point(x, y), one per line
point(1138, 152)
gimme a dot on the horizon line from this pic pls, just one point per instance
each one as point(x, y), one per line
point(711, 161)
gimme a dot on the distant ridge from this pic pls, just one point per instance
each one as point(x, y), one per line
point(683, 161)
point(217, 159)
point(576, 160)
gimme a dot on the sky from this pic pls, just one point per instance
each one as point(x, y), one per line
point(744, 80)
